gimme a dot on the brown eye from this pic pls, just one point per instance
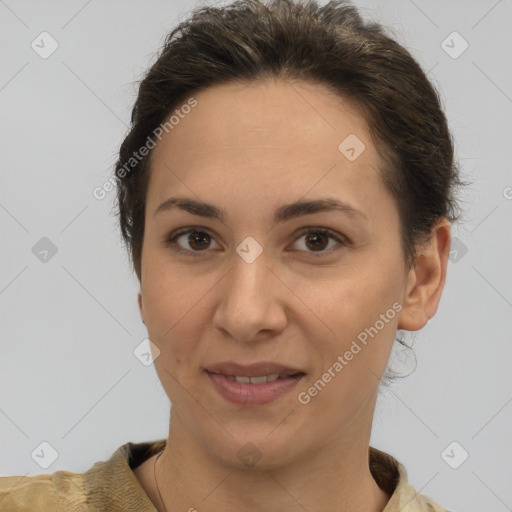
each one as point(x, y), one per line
point(317, 241)
point(192, 242)
point(199, 240)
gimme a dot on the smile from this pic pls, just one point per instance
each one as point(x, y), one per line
point(254, 391)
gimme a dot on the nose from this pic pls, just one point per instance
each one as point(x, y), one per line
point(251, 304)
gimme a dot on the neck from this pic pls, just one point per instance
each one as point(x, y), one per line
point(335, 477)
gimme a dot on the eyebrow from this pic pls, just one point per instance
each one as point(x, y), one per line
point(281, 214)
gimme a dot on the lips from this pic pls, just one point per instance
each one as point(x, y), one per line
point(255, 384)
point(265, 368)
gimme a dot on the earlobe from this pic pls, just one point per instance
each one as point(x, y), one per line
point(426, 280)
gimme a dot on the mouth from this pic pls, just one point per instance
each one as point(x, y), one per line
point(267, 369)
point(255, 384)
point(260, 379)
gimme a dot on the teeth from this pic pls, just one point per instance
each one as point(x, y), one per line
point(256, 380)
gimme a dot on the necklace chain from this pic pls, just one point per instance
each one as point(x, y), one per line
point(156, 482)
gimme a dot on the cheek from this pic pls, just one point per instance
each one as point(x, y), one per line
point(353, 300)
point(164, 305)
point(353, 362)
point(357, 309)
point(175, 310)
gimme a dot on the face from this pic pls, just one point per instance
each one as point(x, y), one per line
point(319, 291)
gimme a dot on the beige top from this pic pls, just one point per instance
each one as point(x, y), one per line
point(112, 486)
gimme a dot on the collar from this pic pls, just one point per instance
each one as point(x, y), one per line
point(113, 484)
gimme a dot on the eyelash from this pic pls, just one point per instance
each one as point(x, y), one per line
point(171, 240)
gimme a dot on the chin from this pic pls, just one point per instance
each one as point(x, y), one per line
point(255, 453)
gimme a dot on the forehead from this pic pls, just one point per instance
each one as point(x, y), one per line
point(267, 136)
point(272, 112)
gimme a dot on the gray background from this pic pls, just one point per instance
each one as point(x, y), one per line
point(69, 326)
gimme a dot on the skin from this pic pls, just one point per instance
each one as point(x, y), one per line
point(250, 149)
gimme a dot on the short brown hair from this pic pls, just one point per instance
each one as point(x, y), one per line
point(331, 45)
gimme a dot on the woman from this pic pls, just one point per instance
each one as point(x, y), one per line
point(261, 131)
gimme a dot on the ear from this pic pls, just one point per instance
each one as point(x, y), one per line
point(141, 307)
point(426, 278)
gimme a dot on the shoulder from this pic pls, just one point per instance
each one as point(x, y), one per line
point(59, 491)
point(108, 485)
point(407, 499)
point(391, 476)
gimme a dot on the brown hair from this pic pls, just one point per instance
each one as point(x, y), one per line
point(330, 45)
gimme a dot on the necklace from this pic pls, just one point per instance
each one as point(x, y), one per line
point(156, 482)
